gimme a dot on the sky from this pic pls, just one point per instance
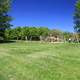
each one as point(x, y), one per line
point(54, 14)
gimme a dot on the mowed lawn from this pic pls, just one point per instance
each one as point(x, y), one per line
point(39, 61)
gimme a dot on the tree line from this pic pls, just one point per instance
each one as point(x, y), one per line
point(34, 33)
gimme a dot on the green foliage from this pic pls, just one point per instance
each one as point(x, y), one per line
point(56, 33)
point(78, 5)
point(77, 17)
point(44, 31)
point(67, 35)
point(4, 17)
point(19, 33)
point(34, 33)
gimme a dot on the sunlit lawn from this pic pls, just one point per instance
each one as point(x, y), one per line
point(39, 61)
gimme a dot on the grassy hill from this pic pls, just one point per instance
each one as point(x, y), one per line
point(39, 61)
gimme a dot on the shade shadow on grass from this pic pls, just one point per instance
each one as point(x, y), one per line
point(7, 41)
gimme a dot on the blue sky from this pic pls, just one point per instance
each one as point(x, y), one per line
point(54, 14)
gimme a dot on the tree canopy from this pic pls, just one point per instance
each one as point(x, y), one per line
point(77, 17)
point(4, 17)
point(29, 32)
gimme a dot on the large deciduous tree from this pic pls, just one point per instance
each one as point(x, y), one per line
point(4, 17)
point(67, 35)
point(56, 33)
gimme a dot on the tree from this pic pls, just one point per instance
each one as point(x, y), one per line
point(4, 17)
point(56, 33)
point(33, 33)
point(77, 17)
point(67, 35)
point(18, 32)
point(43, 31)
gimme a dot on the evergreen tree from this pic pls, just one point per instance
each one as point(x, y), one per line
point(77, 17)
point(4, 17)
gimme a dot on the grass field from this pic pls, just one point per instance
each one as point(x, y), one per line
point(39, 61)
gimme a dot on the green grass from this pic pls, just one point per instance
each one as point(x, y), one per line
point(39, 61)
